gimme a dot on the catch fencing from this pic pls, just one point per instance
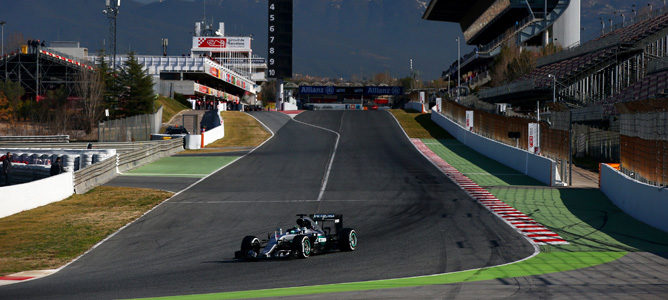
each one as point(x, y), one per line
point(130, 129)
point(644, 144)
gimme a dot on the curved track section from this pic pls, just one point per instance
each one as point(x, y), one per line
point(410, 218)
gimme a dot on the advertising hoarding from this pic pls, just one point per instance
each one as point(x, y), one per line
point(221, 44)
point(469, 120)
point(533, 145)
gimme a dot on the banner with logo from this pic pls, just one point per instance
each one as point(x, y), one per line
point(469, 120)
point(534, 138)
point(221, 44)
point(422, 97)
point(439, 104)
point(203, 89)
point(221, 73)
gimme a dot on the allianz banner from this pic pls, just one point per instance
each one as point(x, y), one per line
point(344, 90)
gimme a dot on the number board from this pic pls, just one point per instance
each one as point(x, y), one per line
point(279, 46)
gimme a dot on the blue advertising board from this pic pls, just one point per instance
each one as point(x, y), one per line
point(337, 90)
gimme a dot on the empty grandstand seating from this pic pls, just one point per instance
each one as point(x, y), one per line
point(652, 86)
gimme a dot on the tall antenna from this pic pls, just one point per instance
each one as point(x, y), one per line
point(204, 16)
point(111, 11)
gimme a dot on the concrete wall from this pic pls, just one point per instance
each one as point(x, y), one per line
point(535, 166)
point(417, 106)
point(647, 203)
point(20, 197)
point(194, 141)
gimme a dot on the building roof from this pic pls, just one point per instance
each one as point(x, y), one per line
point(448, 10)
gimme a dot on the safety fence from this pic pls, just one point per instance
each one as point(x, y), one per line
point(644, 146)
point(135, 128)
point(553, 142)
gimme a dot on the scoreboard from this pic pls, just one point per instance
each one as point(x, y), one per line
point(279, 50)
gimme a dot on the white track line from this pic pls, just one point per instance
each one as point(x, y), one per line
point(331, 159)
point(161, 203)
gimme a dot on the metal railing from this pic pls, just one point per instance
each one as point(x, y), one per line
point(134, 155)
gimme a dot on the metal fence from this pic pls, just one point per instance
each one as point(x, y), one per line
point(130, 129)
point(644, 146)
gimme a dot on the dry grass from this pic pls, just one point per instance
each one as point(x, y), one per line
point(241, 130)
point(50, 236)
point(419, 125)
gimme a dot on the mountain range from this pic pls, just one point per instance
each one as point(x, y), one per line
point(333, 38)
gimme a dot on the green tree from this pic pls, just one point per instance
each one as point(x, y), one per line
point(137, 95)
point(109, 80)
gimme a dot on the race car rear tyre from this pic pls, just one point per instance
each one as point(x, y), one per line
point(249, 243)
point(301, 246)
point(348, 239)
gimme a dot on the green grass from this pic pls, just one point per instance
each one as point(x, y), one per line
point(585, 218)
point(183, 166)
point(541, 264)
point(170, 108)
point(481, 169)
point(52, 235)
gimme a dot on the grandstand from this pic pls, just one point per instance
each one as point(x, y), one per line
point(599, 71)
point(489, 24)
point(40, 69)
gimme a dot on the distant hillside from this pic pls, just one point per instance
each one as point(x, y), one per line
point(332, 37)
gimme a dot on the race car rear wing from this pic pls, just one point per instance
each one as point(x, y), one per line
point(327, 217)
point(337, 219)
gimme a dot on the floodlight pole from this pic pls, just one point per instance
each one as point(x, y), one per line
point(459, 61)
point(2, 24)
point(111, 11)
point(554, 87)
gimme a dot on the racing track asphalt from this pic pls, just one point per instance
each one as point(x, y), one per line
point(410, 218)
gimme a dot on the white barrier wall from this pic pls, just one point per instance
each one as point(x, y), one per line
point(535, 166)
point(417, 106)
point(20, 197)
point(194, 141)
point(646, 203)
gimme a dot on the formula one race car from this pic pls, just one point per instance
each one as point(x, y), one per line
point(314, 234)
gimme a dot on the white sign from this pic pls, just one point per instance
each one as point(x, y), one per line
point(221, 44)
point(533, 145)
point(439, 105)
point(469, 120)
point(422, 97)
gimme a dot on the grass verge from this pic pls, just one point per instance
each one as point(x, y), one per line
point(241, 130)
point(419, 125)
point(170, 108)
point(182, 166)
point(49, 236)
point(541, 264)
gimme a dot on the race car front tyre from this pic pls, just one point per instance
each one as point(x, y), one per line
point(348, 239)
point(301, 246)
point(250, 247)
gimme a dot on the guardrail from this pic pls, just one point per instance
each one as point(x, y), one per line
point(36, 139)
point(133, 156)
